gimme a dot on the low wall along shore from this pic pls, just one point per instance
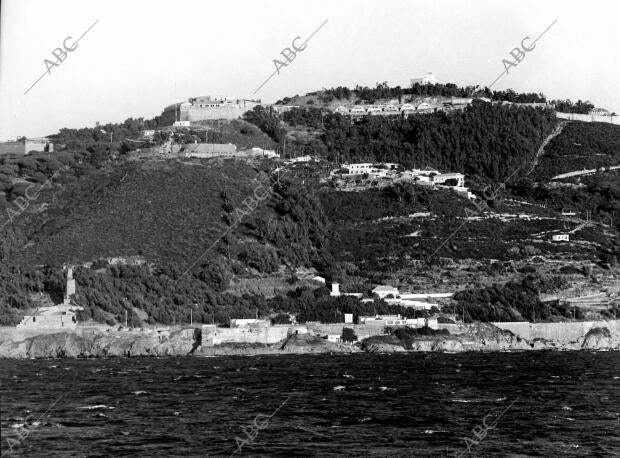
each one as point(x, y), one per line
point(559, 332)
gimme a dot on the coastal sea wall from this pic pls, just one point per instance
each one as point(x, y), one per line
point(309, 338)
point(558, 332)
point(212, 335)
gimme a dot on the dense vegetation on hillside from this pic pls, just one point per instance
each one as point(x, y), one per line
point(168, 213)
point(580, 146)
point(567, 106)
point(165, 295)
point(514, 301)
point(200, 225)
point(485, 140)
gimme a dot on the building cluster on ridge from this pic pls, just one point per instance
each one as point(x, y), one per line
point(351, 176)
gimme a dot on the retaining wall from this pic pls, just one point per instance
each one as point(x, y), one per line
point(560, 332)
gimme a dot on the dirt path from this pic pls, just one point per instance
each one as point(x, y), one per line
point(558, 129)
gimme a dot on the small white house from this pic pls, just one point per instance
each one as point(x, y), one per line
point(333, 338)
point(335, 292)
point(348, 318)
point(560, 237)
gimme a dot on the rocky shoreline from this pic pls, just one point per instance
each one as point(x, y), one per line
point(471, 337)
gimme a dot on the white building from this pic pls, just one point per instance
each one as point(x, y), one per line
point(424, 106)
point(429, 78)
point(443, 177)
point(383, 320)
point(348, 318)
point(210, 150)
point(358, 169)
point(390, 108)
point(342, 110)
point(560, 237)
point(461, 101)
point(301, 159)
point(335, 292)
point(422, 322)
point(378, 173)
point(385, 290)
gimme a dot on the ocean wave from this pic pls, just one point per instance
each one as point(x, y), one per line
point(95, 407)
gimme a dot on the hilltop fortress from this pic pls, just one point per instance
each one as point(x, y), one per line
point(206, 108)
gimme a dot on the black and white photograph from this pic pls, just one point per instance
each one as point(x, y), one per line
point(309, 228)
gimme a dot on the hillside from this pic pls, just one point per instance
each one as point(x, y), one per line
point(580, 146)
point(205, 241)
point(486, 141)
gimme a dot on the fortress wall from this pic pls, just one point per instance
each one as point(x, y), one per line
point(194, 113)
point(362, 331)
point(561, 332)
point(55, 320)
point(588, 117)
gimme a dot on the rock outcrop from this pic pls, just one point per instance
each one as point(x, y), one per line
point(98, 344)
point(600, 339)
point(307, 343)
point(377, 347)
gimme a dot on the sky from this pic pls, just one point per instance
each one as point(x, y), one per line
point(140, 56)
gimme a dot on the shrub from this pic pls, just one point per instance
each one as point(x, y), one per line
point(281, 318)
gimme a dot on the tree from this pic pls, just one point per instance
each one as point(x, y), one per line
point(348, 335)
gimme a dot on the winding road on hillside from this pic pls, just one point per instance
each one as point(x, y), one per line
point(557, 131)
point(585, 172)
